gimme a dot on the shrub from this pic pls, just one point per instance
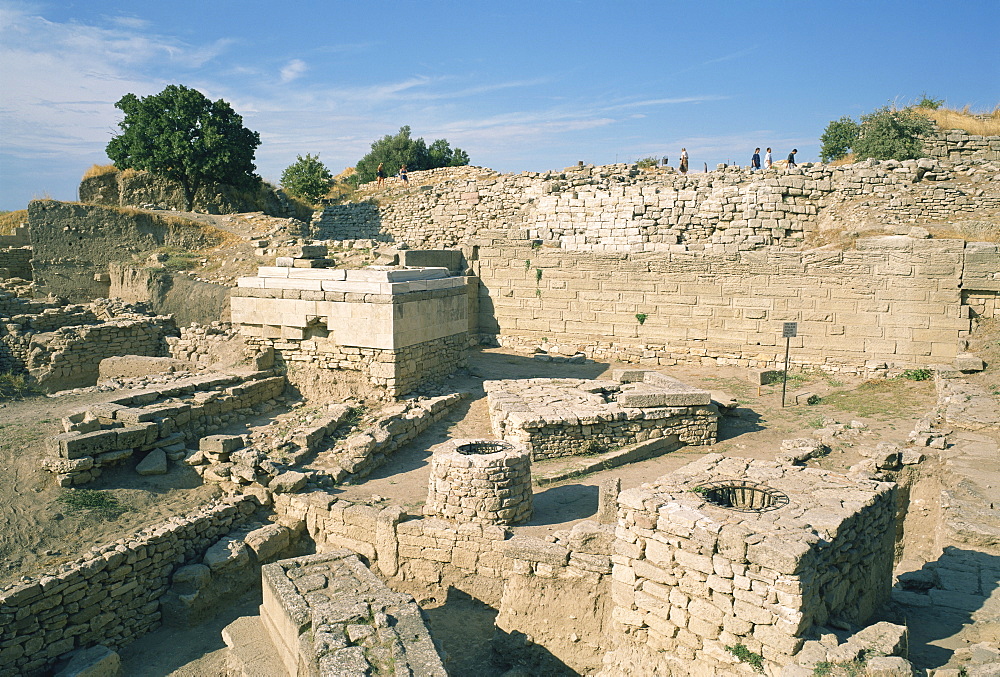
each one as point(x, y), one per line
point(917, 374)
point(838, 139)
point(889, 134)
point(13, 386)
point(929, 103)
point(647, 162)
point(641, 317)
point(307, 178)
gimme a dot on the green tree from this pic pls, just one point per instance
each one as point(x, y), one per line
point(838, 139)
point(889, 134)
point(307, 178)
point(393, 151)
point(181, 135)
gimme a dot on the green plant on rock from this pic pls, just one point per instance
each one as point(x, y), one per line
point(647, 162)
point(745, 655)
point(641, 317)
point(916, 374)
point(538, 275)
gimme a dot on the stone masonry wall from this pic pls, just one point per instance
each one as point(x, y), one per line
point(164, 418)
point(892, 303)
point(957, 145)
point(110, 596)
point(480, 559)
point(620, 208)
point(16, 261)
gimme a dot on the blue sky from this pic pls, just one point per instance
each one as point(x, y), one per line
point(518, 85)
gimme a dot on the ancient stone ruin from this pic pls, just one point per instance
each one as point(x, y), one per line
point(424, 463)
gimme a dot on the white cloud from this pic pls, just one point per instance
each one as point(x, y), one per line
point(60, 80)
point(293, 70)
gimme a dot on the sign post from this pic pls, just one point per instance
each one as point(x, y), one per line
point(788, 331)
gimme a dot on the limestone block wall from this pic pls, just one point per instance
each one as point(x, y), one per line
point(396, 327)
point(618, 208)
point(164, 418)
point(698, 569)
point(16, 261)
point(957, 145)
point(483, 560)
point(892, 303)
point(981, 279)
point(110, 596)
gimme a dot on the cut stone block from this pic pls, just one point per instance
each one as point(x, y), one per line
point(155, 463)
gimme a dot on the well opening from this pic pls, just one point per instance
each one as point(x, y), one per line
point(742, 495)
point(485, 447)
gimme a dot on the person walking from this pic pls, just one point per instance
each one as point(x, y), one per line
point(380, 175)
point(790, 164)
point(767, 159)
point(684, 161)
point(755, 161)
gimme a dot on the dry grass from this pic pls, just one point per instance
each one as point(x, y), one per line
point(848, 159)
point(11, 220)
point(970, 231)
point(99, 170)
point(973, 123)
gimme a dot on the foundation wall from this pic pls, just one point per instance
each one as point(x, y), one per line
point(893, 303)
point(484, 561)
point(16, 261)
point(109, 597)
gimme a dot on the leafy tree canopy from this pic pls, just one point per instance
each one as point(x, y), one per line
point(183, 136)
point(885, 134)
point(838, 139)
point(393, 151)
point(307, 178)
point(888, 134)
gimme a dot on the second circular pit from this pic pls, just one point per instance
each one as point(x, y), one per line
point(486, 481)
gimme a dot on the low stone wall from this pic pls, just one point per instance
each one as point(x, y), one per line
point(327, 614)
point(422, 554)
point(16, 261)
point(72, 357)
point(163, 418)
point(361, 453)
point(111, 596)
point(958, 145)
point(571, 417)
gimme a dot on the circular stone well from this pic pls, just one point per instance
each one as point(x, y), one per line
point(486, 481)
point(742, 495)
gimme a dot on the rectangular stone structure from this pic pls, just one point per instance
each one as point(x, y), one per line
point(328, 614)
point(733, 551)
point(570, 417)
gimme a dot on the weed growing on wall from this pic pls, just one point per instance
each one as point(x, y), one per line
point(745, 655)
point(538, 275)
point(641, 317)
point(916, 374)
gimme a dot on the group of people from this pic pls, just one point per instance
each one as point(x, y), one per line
point(380, 175)
point(768, 162)
point(755, 163)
